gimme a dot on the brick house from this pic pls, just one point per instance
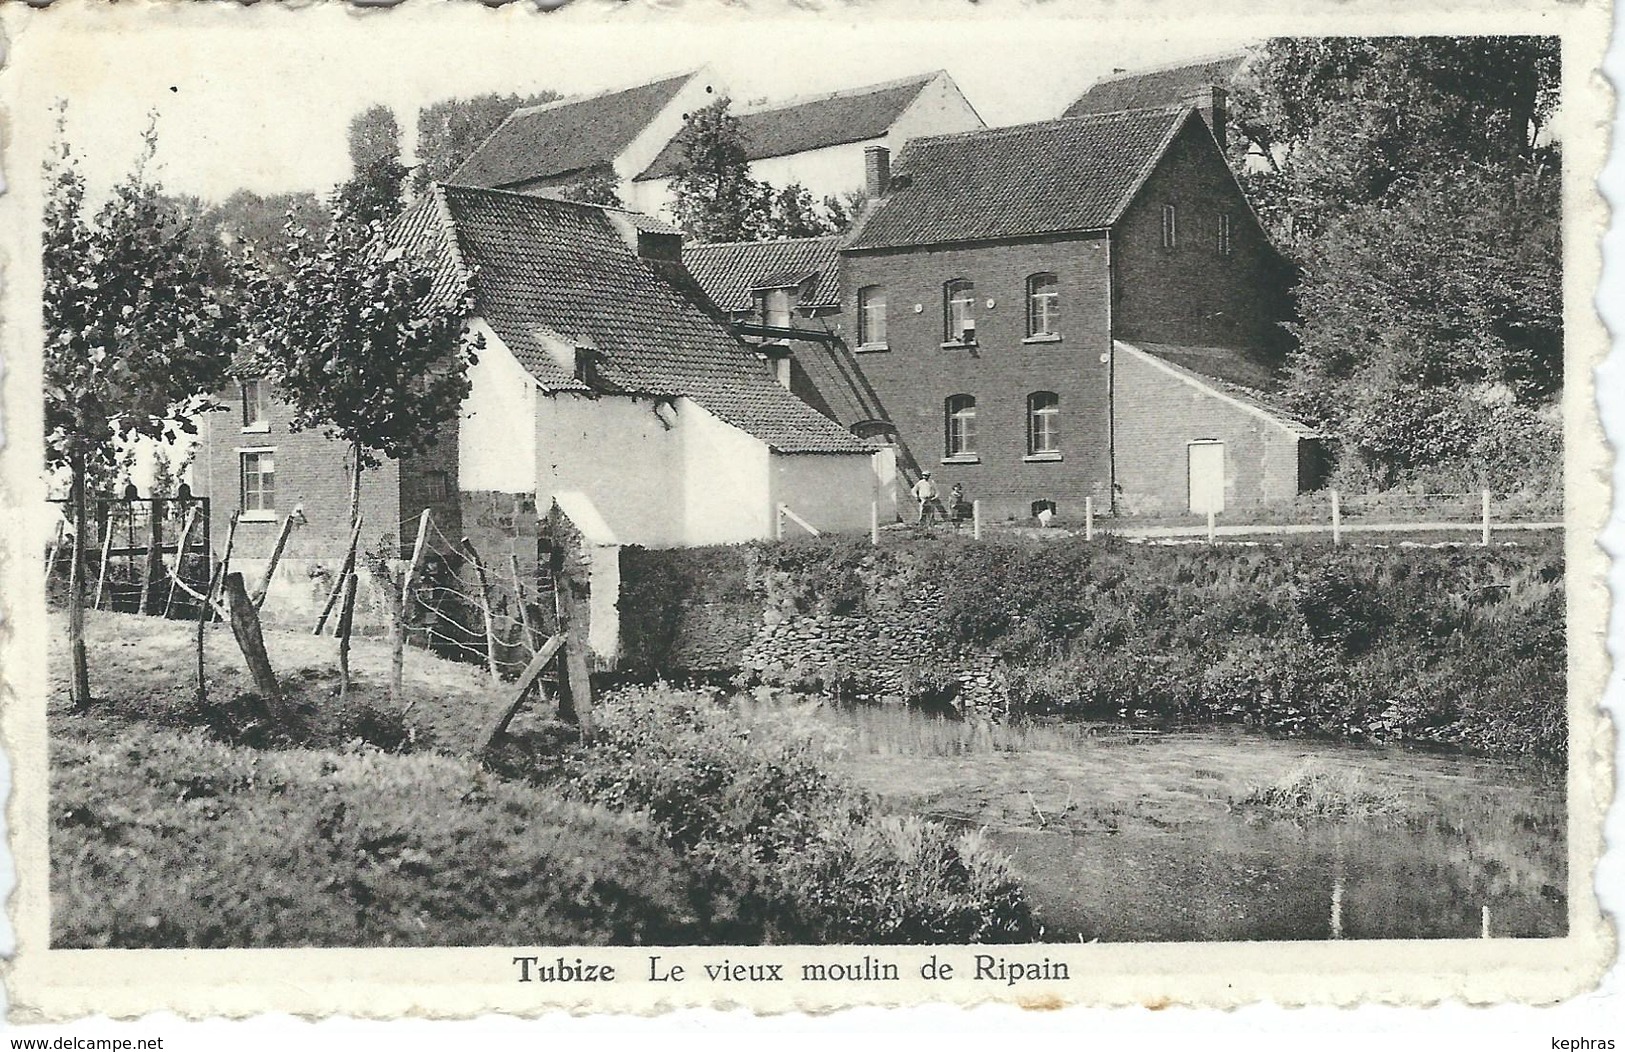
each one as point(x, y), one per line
point(819, 141)
point(1075, 309)
point(1203, 85)
point(607, 384)
point(613, 134)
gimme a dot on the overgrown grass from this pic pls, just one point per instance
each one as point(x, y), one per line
point(173, 840)
point(1315, 791)
point(808, 858)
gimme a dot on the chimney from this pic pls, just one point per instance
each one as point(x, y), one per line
point(1216, 111)
point(876, 171)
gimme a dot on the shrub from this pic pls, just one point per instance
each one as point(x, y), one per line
point(803, 857)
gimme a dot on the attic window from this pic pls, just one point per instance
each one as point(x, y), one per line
point(586, 369)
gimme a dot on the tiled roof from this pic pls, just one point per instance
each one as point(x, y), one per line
point(561, 138)
point(728, 271)
point(547, 271)
point(854, 115)
point(1247, 377)
point(1159, 87)
point(1056, 176)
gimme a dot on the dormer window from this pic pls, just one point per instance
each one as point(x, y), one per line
point(586, 369)
point(959, 311)
point(776, 307)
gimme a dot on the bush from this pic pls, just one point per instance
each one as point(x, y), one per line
point(805, 858)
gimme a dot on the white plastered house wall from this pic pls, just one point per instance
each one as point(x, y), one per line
point(939, 109)
point(655, 472)
point(701, 90)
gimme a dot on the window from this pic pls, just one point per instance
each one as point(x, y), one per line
point(259, 481)
point(872, 316)
point(1170, 226)
point(1043, 305)
point(1043, 423)
point(960, 411)
point(959, 311)
point(1224, 234)
point(256, 405)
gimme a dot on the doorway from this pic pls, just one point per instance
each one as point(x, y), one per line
point(1206, 476)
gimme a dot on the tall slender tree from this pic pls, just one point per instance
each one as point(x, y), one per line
point(135, 335)
point(714, 196)
point(355, 336)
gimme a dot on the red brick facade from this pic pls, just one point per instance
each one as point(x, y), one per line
point(916, 376)
point(1124, 284)
point(1193, 293)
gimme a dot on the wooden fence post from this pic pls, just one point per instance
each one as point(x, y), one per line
point(245, 625)
point(1088, 518)
point(56, 546)
point(345, 568)
point(225, 558)
point(1485, 497)
point(485, 609)
point(1210, 528)
point(107, 547)
point(205, 613)
point(976, 520)
point(397, 659)
point(180, 557)
point(575, 694)
point(874, 523)
point(276, 557)
point(153, 564)
point(346, 621)
point(1337, 519)
point(531, 639)
point(527, 679)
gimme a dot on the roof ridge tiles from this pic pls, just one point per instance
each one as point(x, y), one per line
point(1169, 67)
point(765, 241)
point(1014, 129)
point(569, 100)
point(767, 107)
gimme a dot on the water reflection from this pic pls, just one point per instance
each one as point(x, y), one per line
point(1125, 834)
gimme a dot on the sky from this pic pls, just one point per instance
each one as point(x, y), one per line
point(259, 99)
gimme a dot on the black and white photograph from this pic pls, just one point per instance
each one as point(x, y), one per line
point(844, 487)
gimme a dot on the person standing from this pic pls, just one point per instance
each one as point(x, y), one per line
point(925, 491)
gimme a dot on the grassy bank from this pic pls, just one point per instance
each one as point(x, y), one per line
point(1459, 646)
point(182, 823)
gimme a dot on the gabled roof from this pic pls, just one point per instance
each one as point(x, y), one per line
point(1069, 175)
point(729, 271)
point(854, 115)
point(558, 139)
point(548, 273)
point(1157, 87)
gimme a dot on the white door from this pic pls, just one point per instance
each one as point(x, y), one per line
point(1206, 476)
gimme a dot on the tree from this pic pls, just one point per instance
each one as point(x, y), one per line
point(358, 341)
point(715, 198)
point(1413, 181)
point(451, 130)
point(600, 189)
point(135, 336)
point(844, 209)
point(795, 214)
point(376, 189)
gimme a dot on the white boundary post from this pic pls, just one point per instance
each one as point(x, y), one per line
point(1337, 519)
point(976, 519)
point(1485, 498)
point(1210, 525)
point(1088, 518)
point(874, 523)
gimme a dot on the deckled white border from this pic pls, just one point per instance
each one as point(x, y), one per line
point(377, 983)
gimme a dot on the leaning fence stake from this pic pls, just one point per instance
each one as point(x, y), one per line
point(107, 548)
point(276, 557)
point(485, 609)
point(180, 558)
point(55, 548)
